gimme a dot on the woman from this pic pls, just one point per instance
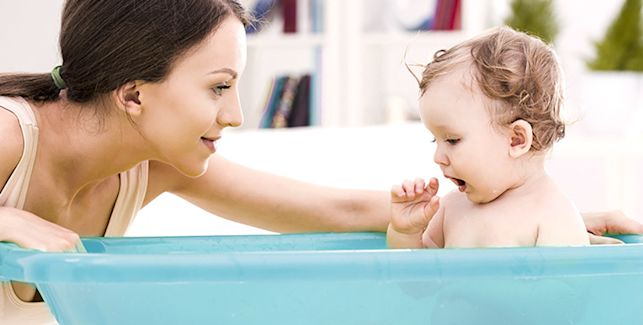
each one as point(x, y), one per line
point(135, 110)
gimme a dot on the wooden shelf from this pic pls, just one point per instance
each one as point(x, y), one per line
point(356, 69)
point(285, 41)
point(409, 38)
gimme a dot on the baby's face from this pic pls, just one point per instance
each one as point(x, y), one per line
point(471, 152)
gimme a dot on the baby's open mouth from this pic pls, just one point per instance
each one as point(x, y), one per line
point(462, 185)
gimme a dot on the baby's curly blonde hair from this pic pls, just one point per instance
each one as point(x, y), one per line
point(519, 74)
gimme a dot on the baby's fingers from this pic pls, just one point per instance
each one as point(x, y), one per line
point(431, 208)
point(419, 185)
point(433, 186)
point(404, 192)
point(412, 188)
point(397, 193)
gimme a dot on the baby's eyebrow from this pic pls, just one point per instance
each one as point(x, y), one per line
point(442, 127)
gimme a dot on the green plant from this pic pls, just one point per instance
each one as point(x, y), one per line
point(534, 17)
point(622, 47)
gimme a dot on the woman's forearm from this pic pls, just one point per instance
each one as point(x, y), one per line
point(283, 204)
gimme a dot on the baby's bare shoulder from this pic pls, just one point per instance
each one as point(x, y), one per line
point(456, 204)
point(560, 222)
point(556, 203)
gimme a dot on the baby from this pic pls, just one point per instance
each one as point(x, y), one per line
point(493, 105)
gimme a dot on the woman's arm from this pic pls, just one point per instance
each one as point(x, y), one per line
point(612, 222)
point(18, 226)
point(273, 202)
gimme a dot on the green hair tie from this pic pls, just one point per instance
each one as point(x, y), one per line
point(58, 80)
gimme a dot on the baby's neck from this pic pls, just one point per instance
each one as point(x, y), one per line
point(528, 177)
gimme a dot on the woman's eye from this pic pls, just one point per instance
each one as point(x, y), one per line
point(218, 90)
point(452, 141)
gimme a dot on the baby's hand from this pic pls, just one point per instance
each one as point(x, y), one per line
point(413, 204)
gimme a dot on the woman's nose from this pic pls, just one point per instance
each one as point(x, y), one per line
point(231, 114)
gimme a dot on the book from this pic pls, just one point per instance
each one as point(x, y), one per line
point(274, 97)
point(280, 117)
point(289, 13)
point(447, 15)
point(300, 112)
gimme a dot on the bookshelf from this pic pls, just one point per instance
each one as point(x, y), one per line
point(287, 41)
point(359, 77)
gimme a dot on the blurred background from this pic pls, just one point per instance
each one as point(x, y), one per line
point(326, 89)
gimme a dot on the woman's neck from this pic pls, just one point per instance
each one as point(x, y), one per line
point(81, 148)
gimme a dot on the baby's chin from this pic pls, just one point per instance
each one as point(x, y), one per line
point(478, 197)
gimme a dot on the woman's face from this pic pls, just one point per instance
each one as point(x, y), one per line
point(182, 116)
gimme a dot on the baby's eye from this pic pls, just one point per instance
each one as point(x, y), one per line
point(452, 141)
point(218, 90)
point(434, 140)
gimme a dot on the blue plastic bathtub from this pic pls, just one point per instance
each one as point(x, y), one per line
point(330, 279)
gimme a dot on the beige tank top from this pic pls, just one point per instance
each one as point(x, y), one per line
point(133, 184)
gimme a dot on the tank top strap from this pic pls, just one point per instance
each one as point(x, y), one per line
point(130, 199)
point(15, 190)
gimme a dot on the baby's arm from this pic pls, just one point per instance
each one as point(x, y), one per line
point(412, 206)
point(433, 237)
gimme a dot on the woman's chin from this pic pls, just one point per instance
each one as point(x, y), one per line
point(193, 171)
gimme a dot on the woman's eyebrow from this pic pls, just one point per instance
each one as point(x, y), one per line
point(229, 71)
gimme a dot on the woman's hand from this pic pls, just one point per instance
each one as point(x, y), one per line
point(30, 231)
point(609, 222)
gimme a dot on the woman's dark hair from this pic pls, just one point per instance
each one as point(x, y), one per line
point(105, 44)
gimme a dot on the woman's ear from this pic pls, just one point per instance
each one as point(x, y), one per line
point(128, 99)
point(521, 136)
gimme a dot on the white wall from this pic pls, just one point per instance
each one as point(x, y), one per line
point(29, 35)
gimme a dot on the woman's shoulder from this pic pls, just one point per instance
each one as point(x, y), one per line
point(11, 145)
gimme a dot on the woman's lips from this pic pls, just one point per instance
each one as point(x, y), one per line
point(209, 143)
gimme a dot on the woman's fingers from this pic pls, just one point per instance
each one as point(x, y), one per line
point(601, 240)
point(613, 222)
point(30, 231)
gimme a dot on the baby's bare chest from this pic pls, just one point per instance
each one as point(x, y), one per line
point(490, 227)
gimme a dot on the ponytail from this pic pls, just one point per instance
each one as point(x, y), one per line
point(36, 87)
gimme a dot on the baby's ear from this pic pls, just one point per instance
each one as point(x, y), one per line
point(521, 136)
